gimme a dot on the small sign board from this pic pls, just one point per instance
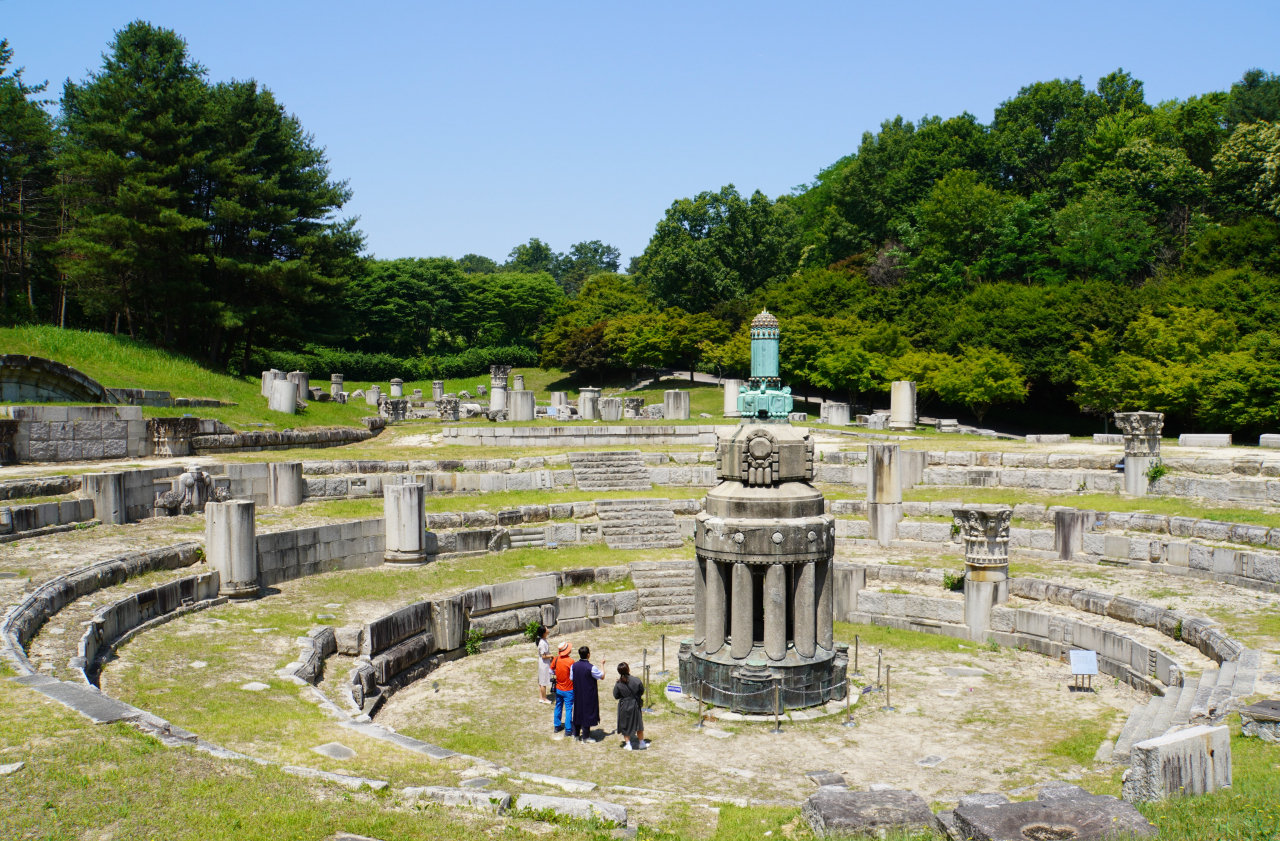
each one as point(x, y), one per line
point(674, 689)
point(1084, 662)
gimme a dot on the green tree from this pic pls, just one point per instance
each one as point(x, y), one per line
point(1042, 129)
point(1254, 99)
point(584, 260)
point(476, 264)
point(401, 306)
point(979, 378)
point(1248, 169)
point(1103, 235)
point(506, 308)
point(961, 226)
point(532, 257)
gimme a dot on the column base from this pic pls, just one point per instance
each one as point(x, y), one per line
point(403, 559)
point(1135, 475)
point(746, 685)
point(233, 590)
point(884, 518)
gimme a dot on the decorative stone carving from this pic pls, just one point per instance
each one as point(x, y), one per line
point(449, 407)
point(984, 530)
point(189, 493)
point(1141, 447)
point(335, 385)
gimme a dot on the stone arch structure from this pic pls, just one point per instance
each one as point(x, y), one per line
point(32, 379)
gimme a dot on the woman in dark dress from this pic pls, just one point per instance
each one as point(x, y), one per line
point(629, 691)
point(586, 697)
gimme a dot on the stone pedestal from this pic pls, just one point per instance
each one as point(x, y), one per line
point(517, 382)
point(763, 580)
point(837, 414)
point(397, 388)
point(405, 523)
point(230, 546)
point(284, 484)
point(675, 405)
point(1069, 526)
point(107, 492)
point(335, 385)
point(269, 378)
point(1141, 432)
point(984, 529)
point(437, 389)
point(610, 409)
point(284, 397)
point(303, 381)
point(731, 390)
point(372, 394)
point(521, 405)
point(589, 407)
point(884, 491)
point(902, 405)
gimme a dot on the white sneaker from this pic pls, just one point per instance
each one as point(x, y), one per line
point(627, 746)
point(643, 745)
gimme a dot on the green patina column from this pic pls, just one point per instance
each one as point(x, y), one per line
point(764, 396)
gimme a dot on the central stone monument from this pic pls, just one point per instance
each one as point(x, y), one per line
point(763, 578)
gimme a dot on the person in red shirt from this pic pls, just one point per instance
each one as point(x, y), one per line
point(560, 669)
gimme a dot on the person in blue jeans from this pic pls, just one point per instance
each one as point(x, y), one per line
point(561, 665)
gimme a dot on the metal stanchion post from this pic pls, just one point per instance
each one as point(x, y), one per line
point(848, 705)
point(856, 641)
point(777, 706)
point(664, 655)
point(888, 675)
point(647, 694)
point(699, 724)
point(879, 659)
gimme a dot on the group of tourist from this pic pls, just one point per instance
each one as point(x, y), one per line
point(577, 700)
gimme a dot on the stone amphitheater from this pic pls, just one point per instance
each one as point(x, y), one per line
point(125, 585)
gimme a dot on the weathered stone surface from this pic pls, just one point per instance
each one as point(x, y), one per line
point(335, 750)
point(467, 798)
point(838, 813)
point(573, 807)
point(1193, 761)
point(1094, 819)
point(349, 640)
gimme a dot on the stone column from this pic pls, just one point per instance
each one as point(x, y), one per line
point(826, 632)
point(498, 387)
point(284, 484)
point(269, 378)
point(731, 390)
point(335, 385)
point(517, 382)
point(838, 414)
point(1069, 526)
point(303, 380)
point(521, 406)
point(775, 612)
point(402, 506)
point(700, 599)
point(884, 491)
point(805, 610)
point(675, 405)
point(231, 546)
point(449, 408)
point(397, 388)
point(611, 409)
point(560, 399)
point(437, 389)
point(107, 492)
point(742, 613)
point(1141, 432)
point(284, 397)
point(985, 532)
point(715, 606)
point(372, 394)
point(588, 407)
point(902, 405)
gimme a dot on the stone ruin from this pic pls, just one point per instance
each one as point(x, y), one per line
point(189, 493)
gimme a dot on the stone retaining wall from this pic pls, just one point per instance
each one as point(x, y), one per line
point(288, 555)
point(39, 486)
point(17, 519)
point(581, 436)
point(77, 433)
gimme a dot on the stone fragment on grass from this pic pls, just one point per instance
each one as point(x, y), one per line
point(12, 768)
point(466, 798)
point(1092, 819)
point(573, 808)
point(254, 686)
point(335, 750)
point(835, 813)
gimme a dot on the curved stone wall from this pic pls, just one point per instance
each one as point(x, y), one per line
point(36, 380)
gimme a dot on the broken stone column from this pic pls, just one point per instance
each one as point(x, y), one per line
point(284, 484)
point(449, 407)
point(1069, 526)
point(284, 397)
point(498, 387)
point(303, 381)
point(521, 406)
point(1188, 762)
point(984, 529)
point(230, 546)
point(588, 407)
point(611, 409)
point(902, 405)
point(732, 388)
point(675, 405)
point(397, 388)
point(268, 378)
point(107, 492)
point(406, 523)
point(560, 399)
point(517, 382)
point(1141, 432)
point(437, 389)
point(335, 386)
point(884, 491)
point(742, 616)
point(837, 413)
point(371, 396)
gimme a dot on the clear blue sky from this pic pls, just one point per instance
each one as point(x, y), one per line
point(471, 127)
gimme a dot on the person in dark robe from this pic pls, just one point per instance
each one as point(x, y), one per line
point(629, 691)
point(586, 697)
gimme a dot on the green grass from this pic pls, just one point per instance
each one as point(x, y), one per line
point(497, 501)
point(872, 637)
point(1081, 745)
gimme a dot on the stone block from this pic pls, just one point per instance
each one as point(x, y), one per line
point(573, 807)
point(836, 812)
point(1188, 762)
point(1087, 818)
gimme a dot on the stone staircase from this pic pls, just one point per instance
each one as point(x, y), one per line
point(1202, 701)
point(665, 590)
point(638, 524)
point(615, 471)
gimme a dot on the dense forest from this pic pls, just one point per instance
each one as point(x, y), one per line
point(1085, 252)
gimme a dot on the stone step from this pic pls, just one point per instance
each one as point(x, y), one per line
point(676, 597)
point(668, 522)
point(1182, 714)
point(1138, 720)
point(611, 485)
point(639, 531)
point(1200, 706)
point(1220, 700)
point(638, 575)
point(1246, 674)
point(649, 544)
point(1164, 714)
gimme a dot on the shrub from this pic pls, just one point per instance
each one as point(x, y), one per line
point(320, 362)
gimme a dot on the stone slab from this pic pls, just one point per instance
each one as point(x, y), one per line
point(466, 798)
point(573, 808)
point(335, 750)
point(572, 786)
point(1188, 762)
point(1079, 820)
point(376, 731)
point(836, 812)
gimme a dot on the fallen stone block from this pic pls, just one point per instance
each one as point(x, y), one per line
point(466, 798)
point(834, 812)
point(573, 808)
point(1094, 819)
point(1193, 761)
